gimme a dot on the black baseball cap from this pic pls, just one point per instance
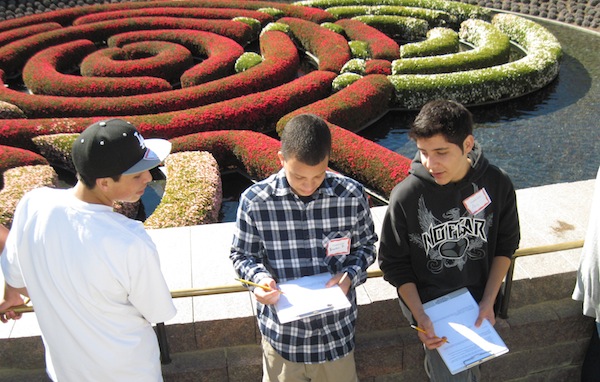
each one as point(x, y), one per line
point(115, 147)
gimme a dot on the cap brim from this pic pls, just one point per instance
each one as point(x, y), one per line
point(157, 151)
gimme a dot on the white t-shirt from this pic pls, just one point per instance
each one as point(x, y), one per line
point(95, 282)
point(587, 287)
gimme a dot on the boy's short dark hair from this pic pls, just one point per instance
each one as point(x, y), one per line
point(307, 138)
point(446, 117)
point(90, 182)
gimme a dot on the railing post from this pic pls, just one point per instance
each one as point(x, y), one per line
point(507, 289)
point(163, 344)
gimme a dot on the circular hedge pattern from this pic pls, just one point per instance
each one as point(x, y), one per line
point(170, 69)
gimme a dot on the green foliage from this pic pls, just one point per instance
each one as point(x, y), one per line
point(276, 13)
point(439, 41)
point(356, 65)
point(359, 49)
point(193, 193)
point(281, 27)
point(333, 27)
point(344, 80)
point(56, 148)
point(246, 61)
point(253, 23)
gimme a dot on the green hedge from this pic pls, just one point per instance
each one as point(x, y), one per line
point(492, 47)
point(461, 11)
point(432, 16)
point(530, 73)
point(439, 41)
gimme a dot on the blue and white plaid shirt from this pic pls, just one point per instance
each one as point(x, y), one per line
point(279, 236)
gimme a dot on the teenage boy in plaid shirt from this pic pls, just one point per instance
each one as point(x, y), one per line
point(284, 226)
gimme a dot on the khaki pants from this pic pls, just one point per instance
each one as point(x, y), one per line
point(278, 369)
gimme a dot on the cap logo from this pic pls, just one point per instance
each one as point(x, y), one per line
point(140, 139)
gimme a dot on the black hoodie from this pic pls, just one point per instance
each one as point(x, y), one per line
point(430, 238)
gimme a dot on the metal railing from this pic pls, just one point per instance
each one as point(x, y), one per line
point(508, 282)
point(196, 292)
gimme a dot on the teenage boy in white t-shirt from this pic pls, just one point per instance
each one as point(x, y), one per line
point(93, 275)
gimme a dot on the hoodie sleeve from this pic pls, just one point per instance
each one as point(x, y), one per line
point(394, 252)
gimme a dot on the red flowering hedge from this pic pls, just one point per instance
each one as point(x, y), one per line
point(252, 151)
point(14, 55)
point(380, 45)
point(378, 67)
point(41, 75)
point(219, 53)
point(259, 111)
point(280, 64)
point(330, 48)
point(19, 33)
point(195, 13)
point(366, 161)
point(68, 16)
point(353, 107)
point(15, 157)
point(145, 58)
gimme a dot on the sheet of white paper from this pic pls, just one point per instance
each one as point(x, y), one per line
point(308, 296)
point(454, 317)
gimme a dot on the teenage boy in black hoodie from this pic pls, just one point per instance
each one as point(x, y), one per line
point(451, 223)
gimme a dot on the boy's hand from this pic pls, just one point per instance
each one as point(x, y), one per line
point(342, 280)
point(429, 338)
point(12, 299)
point(485, 311)
point(267, 297)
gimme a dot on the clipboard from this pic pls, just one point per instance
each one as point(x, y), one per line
point(307, 296)
point(454, 316)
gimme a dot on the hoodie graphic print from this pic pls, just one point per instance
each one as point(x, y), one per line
point(453, 242)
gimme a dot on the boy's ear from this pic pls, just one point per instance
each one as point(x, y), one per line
point(102, 183)
point(281, 158)
point(468, 144)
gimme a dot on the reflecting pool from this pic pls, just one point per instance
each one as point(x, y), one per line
point(550, 136)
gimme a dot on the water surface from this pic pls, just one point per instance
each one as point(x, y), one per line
point(550, 136)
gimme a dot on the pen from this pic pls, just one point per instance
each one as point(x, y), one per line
point(268, 289)
point(415, 327)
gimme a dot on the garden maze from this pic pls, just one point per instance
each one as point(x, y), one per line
point(223, 77)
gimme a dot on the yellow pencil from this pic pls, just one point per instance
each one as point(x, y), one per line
point(268, 289)
point(424, 332)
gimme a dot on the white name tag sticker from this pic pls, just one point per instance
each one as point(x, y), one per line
point(337, 247)
point(477, 202)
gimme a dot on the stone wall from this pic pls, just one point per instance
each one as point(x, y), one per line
point(547, 341)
